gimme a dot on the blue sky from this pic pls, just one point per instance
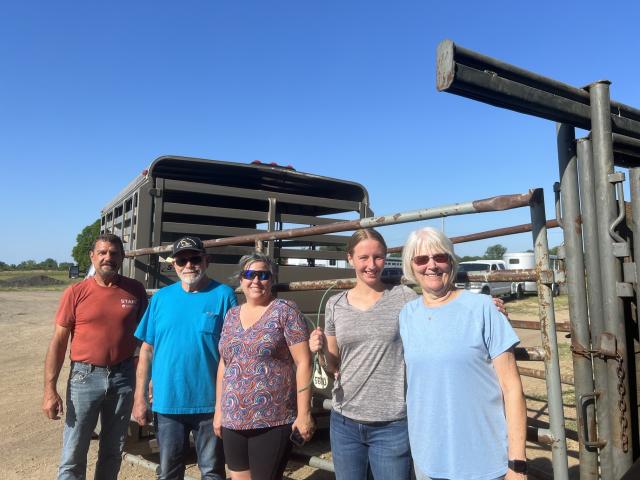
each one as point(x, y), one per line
point(92, 92)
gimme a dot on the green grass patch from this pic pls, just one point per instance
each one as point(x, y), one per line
point(32, 280)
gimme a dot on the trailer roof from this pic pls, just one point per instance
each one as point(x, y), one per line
point(251, 176)
point(255, 176)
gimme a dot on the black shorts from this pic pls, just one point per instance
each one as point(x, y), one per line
point(263, 451)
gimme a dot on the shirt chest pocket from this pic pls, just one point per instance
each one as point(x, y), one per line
point(207, 322)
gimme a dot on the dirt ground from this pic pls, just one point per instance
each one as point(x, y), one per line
point(30, 443)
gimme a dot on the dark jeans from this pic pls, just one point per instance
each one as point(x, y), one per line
point(172, 432)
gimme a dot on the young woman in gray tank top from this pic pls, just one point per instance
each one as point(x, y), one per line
point(361, 346)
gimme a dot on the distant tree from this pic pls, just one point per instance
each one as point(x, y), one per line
point(554, 250)
point(530, 251)
point(64, 266)
point(48, 264)
point(469, 258)
point(84, 241)
point(4, 266)
point(27, 265)
point(395, 255)
point(495, 252)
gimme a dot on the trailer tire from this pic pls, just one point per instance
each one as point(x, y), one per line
point(486, 291)
point(519, 292)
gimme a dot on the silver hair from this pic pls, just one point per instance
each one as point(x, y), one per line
point(427, 240)
point(258, 257)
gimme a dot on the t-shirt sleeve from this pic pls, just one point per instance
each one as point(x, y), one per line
point(66, 314)
point(295, 325)
point(499, 335)
point(329, 322)
point(144, 301)
point(146, 328)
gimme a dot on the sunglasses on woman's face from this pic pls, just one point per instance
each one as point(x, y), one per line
point(421, 260)
point(251, 274)
point(182, 261)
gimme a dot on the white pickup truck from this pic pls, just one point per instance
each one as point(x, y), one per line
point(495, 289)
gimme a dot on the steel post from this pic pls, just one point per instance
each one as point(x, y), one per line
point(610, 269)
point(549, 338)
point(634, 183)
point(594, 298)
point(576, 287)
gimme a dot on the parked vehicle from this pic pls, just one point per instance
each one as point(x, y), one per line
point(495, 289)
point(526, 260)
point(213, 199)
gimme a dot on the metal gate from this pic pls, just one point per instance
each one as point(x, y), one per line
point(601, 273)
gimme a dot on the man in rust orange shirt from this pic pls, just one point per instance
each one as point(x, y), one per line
point(100, 315)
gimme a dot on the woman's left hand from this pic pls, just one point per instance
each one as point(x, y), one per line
point(305, 425)
point(499, 303)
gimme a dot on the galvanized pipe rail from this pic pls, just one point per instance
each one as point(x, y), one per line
point(549, 338)
point(586, 179)
point(492, 204)
point(606, 211)
point(577, 289)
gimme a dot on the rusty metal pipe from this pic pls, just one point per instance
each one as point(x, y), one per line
point(549, 339)
point(493, 204)
point(535, 373)
point(345, 283)
point(498, 232)
point(534, 325)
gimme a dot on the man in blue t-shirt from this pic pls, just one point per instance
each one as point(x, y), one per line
point(180, 332)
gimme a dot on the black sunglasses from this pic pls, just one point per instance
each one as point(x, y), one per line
point(251, 274)
point(182, 261)
point(424, 259)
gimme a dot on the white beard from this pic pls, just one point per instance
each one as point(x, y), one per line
point(190, 278)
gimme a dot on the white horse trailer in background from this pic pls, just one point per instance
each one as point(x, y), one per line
point(526, 260)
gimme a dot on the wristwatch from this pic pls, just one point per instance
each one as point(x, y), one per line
point(518, 466)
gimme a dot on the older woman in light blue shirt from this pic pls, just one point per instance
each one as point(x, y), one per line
point(465, 406)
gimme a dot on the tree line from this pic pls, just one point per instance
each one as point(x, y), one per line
point(47, 264)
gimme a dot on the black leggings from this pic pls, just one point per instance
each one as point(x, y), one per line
point(263, 451)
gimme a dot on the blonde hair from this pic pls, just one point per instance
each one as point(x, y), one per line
point(365, 234)
point(427, 240)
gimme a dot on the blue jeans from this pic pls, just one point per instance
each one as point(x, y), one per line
point(382, 448)
point(93, 391)
point(172, 432)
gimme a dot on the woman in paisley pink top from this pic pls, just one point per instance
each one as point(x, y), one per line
point(262, 392)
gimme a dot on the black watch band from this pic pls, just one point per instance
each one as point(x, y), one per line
point(518, 466)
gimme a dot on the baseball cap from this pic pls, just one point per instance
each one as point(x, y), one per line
point(187, 243)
